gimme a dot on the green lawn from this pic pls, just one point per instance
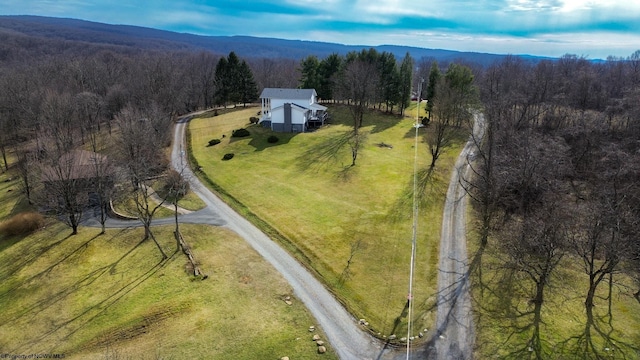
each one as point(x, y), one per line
point(503, 328)
point(191, 201)
point(328, 210)
point(12, 200)
point(322, 211)
point(126, 204)
point(110, 297)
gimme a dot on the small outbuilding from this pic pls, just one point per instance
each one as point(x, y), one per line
point(291, 110)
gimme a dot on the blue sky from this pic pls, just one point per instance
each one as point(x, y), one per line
point(591, 28)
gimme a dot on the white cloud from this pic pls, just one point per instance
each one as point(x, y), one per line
point(545, 27)
point(592, 45)
point(180, 17)
point(534, 5)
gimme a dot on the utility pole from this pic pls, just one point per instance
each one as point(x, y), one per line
point(415, 222)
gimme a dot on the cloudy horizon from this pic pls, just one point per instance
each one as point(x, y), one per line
point(594, 29)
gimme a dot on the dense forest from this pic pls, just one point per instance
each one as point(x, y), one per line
point(555, 177)
point(555, 184)
point(73, 33)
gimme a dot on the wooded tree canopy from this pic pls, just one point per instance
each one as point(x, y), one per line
point(390, 80)
point(234, 80)
point(553, 185)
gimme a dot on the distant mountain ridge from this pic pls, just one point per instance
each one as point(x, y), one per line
point(244, 46)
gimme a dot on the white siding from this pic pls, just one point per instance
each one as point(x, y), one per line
point(303, 104)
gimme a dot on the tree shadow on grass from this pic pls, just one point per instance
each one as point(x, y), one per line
point(426, 193)
point(110, 300)
point(597, 343)
point(45, 303)
point(28, 255)
point(21, 205)
point(386, 121)
point(327, 153)
point(500, 307)
point(520, 326)
point(46, 271)
point(597, 340)
point(260, 141)
point(91, 312)
point(519, 323)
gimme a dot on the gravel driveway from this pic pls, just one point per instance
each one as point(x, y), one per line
point(454, 334)
point(343, 332)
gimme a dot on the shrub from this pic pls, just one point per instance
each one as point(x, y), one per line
point(214, 142)
point(253, 120)
point(240, 133)
point(272, 139)
point(22, 224)
point(174, 186)
point(228, 156)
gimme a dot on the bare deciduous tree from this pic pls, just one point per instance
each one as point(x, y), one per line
point(63, 172)
point(358, 84)
point(274, 73)
point(534, 245)
point(143, 135)
point(175, 187)
point(452, 103)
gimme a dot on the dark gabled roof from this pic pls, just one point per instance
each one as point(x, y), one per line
point(278, 93)
point(76, 164)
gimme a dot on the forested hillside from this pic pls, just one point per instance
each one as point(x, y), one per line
point(74, 33)
point(554, 183)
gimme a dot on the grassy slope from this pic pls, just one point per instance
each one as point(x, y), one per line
point(324, 209)
point(91, 296)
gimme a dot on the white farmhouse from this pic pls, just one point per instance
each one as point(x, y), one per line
point(291, 110)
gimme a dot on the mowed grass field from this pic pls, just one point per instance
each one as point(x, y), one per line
point(504, 327)
point(110, 296)
point(351, 225)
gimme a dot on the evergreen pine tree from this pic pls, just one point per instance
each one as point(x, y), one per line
point(434, 77)
point(248, 87)
point(329, 67)
point(406, 73)
point(222, 86)
point(234, 78)
point(309, 70)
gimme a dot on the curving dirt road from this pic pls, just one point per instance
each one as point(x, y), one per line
point(454, 336)
point(342, 330)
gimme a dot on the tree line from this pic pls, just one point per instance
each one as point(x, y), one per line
point(370, 79)
point(555, 180)
point(362, 80)
point(366, 78)
point(77, 128)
